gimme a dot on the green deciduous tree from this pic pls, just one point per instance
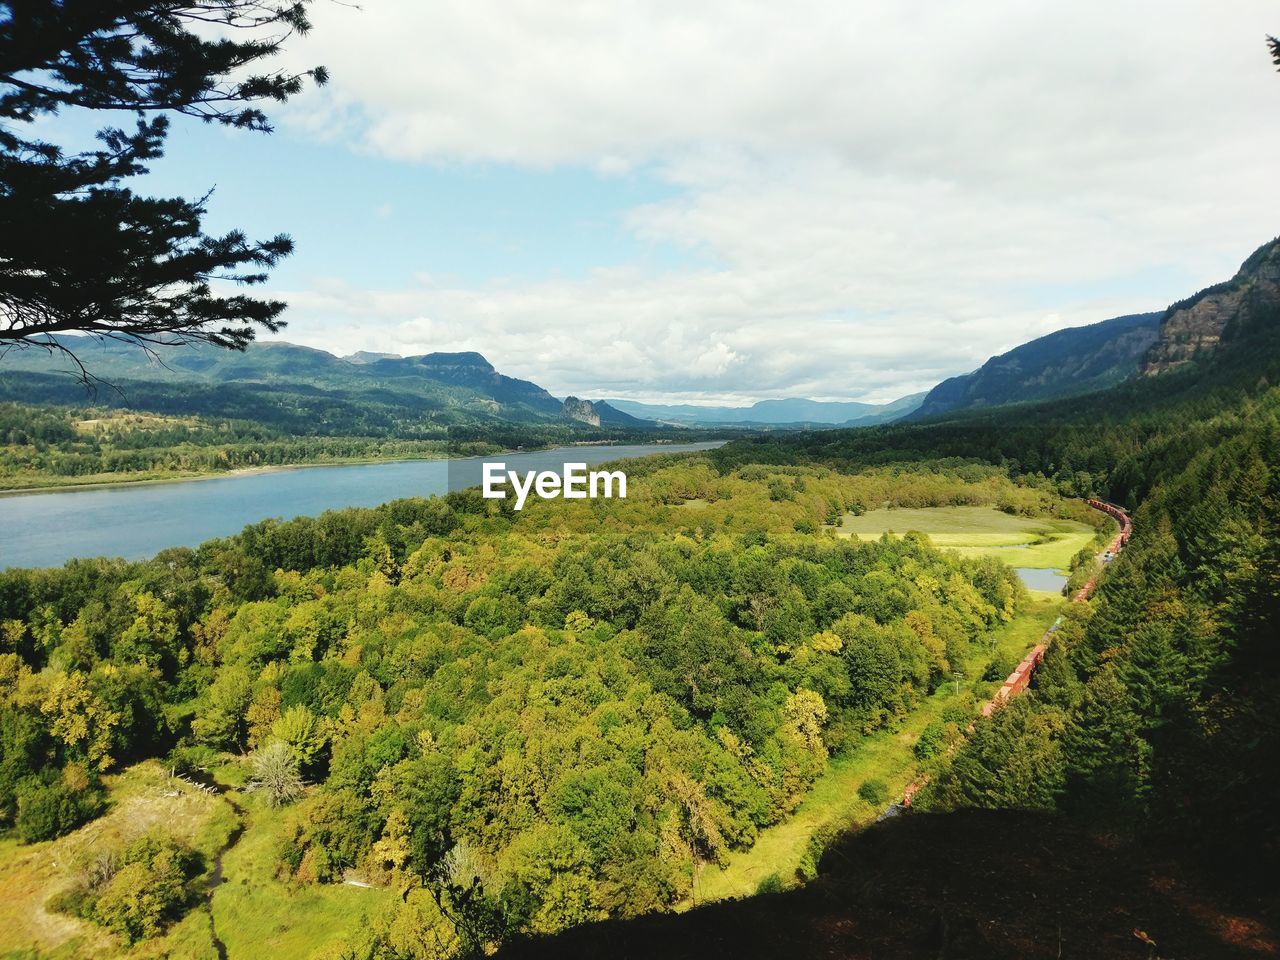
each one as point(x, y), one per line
point(147, 891)
point(299, 729)
point(151, 638)
point(79, 719)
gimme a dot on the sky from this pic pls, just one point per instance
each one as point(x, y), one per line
point(730, 201)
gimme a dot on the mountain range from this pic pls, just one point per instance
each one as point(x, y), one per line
point(1064, 363)
point(311, 392)
point(791, 412)
point(1081, 360)
point(302, 389)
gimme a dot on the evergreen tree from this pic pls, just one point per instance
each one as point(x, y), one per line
point(79, 250)
point(1107, 758)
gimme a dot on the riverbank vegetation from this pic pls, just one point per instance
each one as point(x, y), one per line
point(48, 446)
point(517, 722)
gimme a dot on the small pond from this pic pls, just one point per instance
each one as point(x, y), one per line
point(1035, 578)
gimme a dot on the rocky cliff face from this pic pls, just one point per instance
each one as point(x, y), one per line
point(1195, 326)
point(583, 411)
point(600, 413)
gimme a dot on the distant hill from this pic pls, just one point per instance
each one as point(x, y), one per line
point(1081, 360)
point(369, 356)
point(791, 412)
point(301, 389)
point(1065, 363)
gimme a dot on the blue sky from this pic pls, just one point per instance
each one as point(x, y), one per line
point(381, 222)
point(733, 201)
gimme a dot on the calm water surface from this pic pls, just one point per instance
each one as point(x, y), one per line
point(137, 521)
point(1037, 579)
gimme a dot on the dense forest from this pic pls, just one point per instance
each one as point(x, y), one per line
point(522, 721)
point(1158, 703)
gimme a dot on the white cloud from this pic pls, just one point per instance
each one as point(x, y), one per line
point(886, 189)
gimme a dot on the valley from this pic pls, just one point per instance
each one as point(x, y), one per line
point(643, 481)
point(528, 722)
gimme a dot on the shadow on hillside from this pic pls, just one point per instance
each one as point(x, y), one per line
point(971, 884)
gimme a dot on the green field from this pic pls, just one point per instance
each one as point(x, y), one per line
point(887, 755)
point(256, 914)
point(1040, 542)
point(142, 799)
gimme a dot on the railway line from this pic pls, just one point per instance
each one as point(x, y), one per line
point(1021, 676)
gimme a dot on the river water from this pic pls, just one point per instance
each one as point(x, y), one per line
point(136, 521)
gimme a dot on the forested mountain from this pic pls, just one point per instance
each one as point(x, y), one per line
point(791, 412)
point(1084, 359)
point(304, 391)
point(1066, 362)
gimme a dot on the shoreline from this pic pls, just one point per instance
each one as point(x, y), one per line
point(240, 472)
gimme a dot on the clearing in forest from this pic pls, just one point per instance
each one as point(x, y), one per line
point(1040, 542)
point(142, 799)
point(257, 914)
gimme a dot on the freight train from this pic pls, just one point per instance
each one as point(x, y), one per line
point(1022, 674)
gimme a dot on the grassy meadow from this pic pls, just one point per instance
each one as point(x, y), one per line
point(142, 799)
point(1039, 542)
point(257, 914)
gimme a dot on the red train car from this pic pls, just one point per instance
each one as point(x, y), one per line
point(1020, 679)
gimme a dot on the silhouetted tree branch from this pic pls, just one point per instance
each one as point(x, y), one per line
point(80, 251)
